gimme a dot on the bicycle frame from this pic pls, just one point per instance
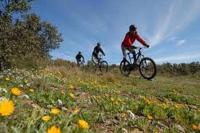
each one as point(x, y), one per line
point(100, 58)
point(138, 54)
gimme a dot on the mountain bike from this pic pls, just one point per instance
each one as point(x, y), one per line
point(146, 65)
point(100, 64)
point(81, 61)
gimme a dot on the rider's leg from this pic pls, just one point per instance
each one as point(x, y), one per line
point(97, 58)
point(77, 60)
point(123, 52)
point(94, 57)
point(132, 50)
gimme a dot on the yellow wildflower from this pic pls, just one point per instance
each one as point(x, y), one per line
point(54, 129)
point(150, 117)
point(59, 73)
point(123, 115)
point(112, 99)
point(71, 95)
point(55, 111)
point(71, 87)
point(178, 106)
point(31, 90)
point(164, 105)
point(6, 107)
point(120, 100)
point(62, 92)
point(194, 127)
point(46, 118)
point(147, 101)
point(16, 91)
point(7, 79)
point(83, 124)
point(76, 110)
point(116, 102)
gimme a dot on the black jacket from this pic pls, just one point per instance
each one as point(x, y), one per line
point(79, 56)
point(97, 50)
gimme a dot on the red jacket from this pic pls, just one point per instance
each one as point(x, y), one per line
point(130, 39)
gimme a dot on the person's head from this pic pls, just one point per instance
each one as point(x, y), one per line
point(79, 52)
point(98, 44)
point(132, 28)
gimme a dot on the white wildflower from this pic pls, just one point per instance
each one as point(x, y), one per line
point(124, 130)
point(25, 96)
point(131, 114)
point(60, 102)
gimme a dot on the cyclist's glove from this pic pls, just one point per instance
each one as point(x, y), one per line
point(147, 45)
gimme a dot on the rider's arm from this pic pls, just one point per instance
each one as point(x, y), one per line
point(101, 50)
point(82, 56)
point(141, 40)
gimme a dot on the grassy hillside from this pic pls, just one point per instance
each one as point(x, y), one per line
point(75, 100)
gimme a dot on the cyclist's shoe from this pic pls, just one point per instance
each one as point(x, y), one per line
point(130, 67)
point(134, 66)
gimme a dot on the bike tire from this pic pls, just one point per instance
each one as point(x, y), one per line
point(142, 66)
point(125, 68)
point(103, 66)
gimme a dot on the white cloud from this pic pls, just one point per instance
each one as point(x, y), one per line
point(189, 57)
point(179, 15)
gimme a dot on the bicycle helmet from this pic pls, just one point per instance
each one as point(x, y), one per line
point(132, 28)
point(98, 44)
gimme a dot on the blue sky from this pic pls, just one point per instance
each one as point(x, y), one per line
point(170, 27)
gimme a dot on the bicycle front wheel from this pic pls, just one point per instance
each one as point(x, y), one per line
point(103, 66)
point(147, 68)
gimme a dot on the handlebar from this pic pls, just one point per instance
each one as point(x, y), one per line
point(140, 47)
point(101, 55)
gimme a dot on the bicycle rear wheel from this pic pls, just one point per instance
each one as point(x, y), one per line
point(103, 66)
point(125, 68)
point(147, 68)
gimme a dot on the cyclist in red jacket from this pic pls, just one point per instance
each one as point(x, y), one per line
point(129, 39)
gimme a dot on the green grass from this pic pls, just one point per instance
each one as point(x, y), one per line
point(162, 105)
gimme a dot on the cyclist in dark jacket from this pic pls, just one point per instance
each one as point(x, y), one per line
point(78, 57)
point(97, 50)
